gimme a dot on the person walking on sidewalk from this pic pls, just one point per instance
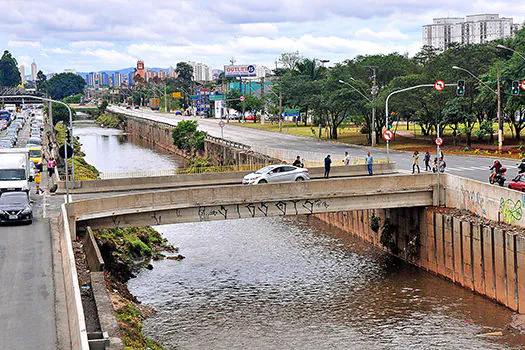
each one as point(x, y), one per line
point(416, 162)
point(327, 165)
point(369, 163)
point(346, 161)
point(51, 164)
point(427, 161)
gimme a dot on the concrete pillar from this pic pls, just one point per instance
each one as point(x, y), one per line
point(440, 255)
point(477, 254)
point(488, 262)
point(458, 252)
point(431, 241)
point(448, 247)
point(423, 238)
point(468, 275)
point(520, 258)
point(512, 278)
point(499, 263)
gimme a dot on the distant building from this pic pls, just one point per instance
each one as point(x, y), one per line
point(22, 73)
point(69, 70)
point(140, 69)
point(33, 71)
point(475, 29)
point(201, 72)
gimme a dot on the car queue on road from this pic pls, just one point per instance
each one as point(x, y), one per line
point(19, 131)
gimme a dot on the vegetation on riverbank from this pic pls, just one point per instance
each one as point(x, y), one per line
point(83, 170)
point(125, 250)
point(109, 121)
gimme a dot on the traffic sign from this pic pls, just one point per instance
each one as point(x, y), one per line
point(242, 98)
point(522, 85)
point(216, 97)
point(388, 135)
point(438, 141)
point(439, 85)
point(176, 94)
point(221, 124)
point(291, 113)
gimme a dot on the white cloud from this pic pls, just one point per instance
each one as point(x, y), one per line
point(258, 29)
point(58, 50)
point(109, 56)
point(31, 44)
point(91, 43)
point(369, 34)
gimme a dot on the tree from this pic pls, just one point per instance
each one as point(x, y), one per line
point(61, 114)
point(41, 81)
point(9, 73)
point(65, 84)
point(187, 138)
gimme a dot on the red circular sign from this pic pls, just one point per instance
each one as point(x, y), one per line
point(242, 98)
point(522, 85)
point(439, 85)
point(438, 141)
point(388, 135)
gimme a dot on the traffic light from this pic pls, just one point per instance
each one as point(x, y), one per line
point(460, 91)
point(68, 137)
point(515, 88)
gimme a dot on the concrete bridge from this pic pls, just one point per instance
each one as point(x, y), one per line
point(238, 201)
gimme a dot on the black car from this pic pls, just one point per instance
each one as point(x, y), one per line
point(16, 207)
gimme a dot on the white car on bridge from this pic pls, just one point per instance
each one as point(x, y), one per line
point(276, 173)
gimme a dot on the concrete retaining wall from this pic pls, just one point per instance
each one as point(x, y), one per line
point(106, 315)
point(75, 312)
point(486, 260)
point(93, 256)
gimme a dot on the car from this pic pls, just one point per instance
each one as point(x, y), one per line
point(518, 183)
point(234, 116)
point(34, 141)
point(251, 117)
point(35, 154)
point(136, 106)
point(276, 173)
point(16, 206)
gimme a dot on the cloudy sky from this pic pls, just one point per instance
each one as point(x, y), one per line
point(92, 35)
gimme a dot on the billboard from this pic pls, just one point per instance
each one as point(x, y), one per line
point(240, 71)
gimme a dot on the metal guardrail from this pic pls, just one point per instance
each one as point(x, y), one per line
point(229, 143)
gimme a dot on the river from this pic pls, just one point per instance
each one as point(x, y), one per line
point(295, 283)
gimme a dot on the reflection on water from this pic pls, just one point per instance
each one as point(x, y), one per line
point(293, 283)
point(111, 150)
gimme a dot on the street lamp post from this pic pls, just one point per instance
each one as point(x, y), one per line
point(498, 94)
point(508, 48)
point(373, 134)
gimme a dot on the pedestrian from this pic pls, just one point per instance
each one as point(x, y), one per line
point(346, 161)
point(441, 155)
point(435, 165)
point(442, 165)
point(327, 165)
point(427, 161)
point(369, 163)
point(297, 162)
point(416, 162)
point(51, 164)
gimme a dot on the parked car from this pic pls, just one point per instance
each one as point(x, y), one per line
point(518, 183)
point(276, 173)
point(16, 207)
point(251, 117)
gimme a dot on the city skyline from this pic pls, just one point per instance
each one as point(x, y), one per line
point(90, 38)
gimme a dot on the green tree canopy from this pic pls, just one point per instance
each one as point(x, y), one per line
point(41, 81)
point(9, 73)
point(187, 138)
point(65, 84)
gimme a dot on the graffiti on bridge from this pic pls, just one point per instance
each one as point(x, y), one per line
point(473, 201)
point(510, 210)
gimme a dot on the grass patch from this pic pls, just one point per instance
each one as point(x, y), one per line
point(108, 121)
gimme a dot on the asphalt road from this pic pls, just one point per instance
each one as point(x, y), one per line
point(27, 291)
point(474, 167)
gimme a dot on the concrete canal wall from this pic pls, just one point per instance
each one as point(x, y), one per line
point(485, 259)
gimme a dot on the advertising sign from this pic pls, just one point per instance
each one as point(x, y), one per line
point(291, 113)
point(176, 94)
point(240, 71)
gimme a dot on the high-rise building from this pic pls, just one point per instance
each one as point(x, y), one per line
point(201, 72)
point(33, 71)
point(475, 29)
point(140, 69)
point(22, 73)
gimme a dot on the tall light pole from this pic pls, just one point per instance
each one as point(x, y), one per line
point(374, 94)
point(498, 94)
point(280, 100)
point(508, 48)
point(373, 135)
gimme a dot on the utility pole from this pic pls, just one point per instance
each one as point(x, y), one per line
point(280, 101)
point(500, 124)
point(165, 99)
point(374, 94)
point(262, 99)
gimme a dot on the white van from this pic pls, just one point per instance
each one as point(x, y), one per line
point(15, 171)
